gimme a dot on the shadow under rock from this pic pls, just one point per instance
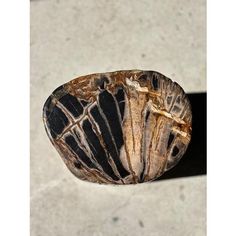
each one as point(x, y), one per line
point(194, 160)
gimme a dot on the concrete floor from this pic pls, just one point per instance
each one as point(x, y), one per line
point(71, 38)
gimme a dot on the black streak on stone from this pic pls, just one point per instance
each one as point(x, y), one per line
point(155, 82)
point(108, 141)
point(72, 104)
point(175, 151)
point(97, 149)
point(81, 155)
point(171, 137)
point(56, 121)
point(108, 106)
point(120, 97)
point(142, 174)
point(147, 116)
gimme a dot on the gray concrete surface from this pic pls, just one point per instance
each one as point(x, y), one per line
point(71, 38)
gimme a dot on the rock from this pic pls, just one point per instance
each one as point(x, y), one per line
point(121, 127)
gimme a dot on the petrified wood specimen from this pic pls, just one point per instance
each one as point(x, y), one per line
point(122, 127)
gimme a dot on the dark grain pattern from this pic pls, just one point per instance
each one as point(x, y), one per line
point(121, 127)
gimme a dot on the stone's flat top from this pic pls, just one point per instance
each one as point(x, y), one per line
point(72, 38)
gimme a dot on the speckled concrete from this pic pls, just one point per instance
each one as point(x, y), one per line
point(71, 38)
